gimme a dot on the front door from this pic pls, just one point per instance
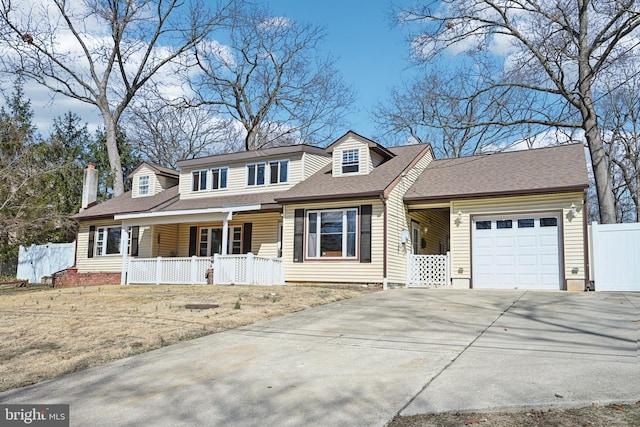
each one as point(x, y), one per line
point(210, 241)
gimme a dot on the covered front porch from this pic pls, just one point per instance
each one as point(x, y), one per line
point(429, 263)
point(226, 246)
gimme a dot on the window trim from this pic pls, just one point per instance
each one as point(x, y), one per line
point(223, 171)
point(199, 181)
point(146, 186)
point(100, 239)
point(350, 158)
point(256, 167)
point(344, 230)
point(279, 173)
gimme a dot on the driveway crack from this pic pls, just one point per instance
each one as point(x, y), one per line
point(428, 383)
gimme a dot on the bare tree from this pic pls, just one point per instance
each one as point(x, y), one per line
point(621, 120)
point(272, 79)
point(445, 108)
point(166, 133)
point(557, 53)
point(100, 52)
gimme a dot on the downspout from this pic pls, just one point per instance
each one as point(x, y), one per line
point(385, 244)
point(585, 228)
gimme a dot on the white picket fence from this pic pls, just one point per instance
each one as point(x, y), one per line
point(38, 261)
point(228, 270)
point(615, 256)
point(428, 270)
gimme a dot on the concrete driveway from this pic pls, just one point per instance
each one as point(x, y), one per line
point(360, 362)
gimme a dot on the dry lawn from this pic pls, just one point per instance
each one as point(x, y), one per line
point(48, 332)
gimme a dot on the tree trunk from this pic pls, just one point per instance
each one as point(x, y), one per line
point(115, 162)
point(606, 203)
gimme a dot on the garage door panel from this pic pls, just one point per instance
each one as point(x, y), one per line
point(504, 242)
point(549, 240)
point(527, 241)
point(525, 256)
point(527, 279)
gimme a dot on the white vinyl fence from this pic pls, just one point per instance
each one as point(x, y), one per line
point(38, 261)
point(168, 271)
point(228, 270)
point(615, 256)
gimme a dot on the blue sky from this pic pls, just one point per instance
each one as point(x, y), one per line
point(371, 53)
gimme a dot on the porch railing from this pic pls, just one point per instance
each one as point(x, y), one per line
point(228, 270)
point(247, 270)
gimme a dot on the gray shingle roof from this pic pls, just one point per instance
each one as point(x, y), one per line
point(552, 169)
point(266, 200)
point(126, 204)
point(324, 186)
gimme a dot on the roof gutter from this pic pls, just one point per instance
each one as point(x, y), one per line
point(185, 215)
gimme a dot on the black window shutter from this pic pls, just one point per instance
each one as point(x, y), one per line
point(135, 232)
point(92, 240)
point(246, 237)
point(298, 236)
point(193, 240)
point(365, 233)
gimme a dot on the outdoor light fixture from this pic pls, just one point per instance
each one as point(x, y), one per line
point(574, 209)
point(459, 218)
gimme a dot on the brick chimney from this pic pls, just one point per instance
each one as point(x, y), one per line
point(89, 187)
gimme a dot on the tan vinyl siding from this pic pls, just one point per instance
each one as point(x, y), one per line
point(153, 182)
point(363, 156)
point(571, 230)
point(312, 163)
point(156, 183)
point(107, 263)
point(399, 220)
point(165, 238)
point(264, 233)
point(436, 236)
point(335, 271)
point(164, 182)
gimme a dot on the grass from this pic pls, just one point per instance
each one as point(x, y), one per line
point(48, 332)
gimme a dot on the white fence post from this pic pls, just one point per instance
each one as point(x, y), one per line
point(194, 270)
point(448, 267)
point(158, 270)
point(216, 269)
point(251, 262)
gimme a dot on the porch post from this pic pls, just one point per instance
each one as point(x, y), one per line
point(225, 234)
point(124, 250)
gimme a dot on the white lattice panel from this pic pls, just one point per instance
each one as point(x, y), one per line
point(426, 270)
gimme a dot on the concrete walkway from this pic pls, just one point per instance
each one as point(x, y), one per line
point(361, 361)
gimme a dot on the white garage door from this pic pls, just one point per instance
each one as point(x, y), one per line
point(516, 252)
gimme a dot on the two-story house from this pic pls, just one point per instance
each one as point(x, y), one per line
point(355, 212)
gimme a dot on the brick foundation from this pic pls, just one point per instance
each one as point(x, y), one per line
point(69, 279)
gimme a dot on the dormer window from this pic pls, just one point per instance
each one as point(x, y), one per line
point(279, 171)
point(143, 185)
point(351, 161)
point(218, 178)
point(199, 180)
point(255, 174)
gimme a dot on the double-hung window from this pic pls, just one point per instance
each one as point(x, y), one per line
point(278, 171)
point(143, 185)
point(351, 161)
point(108, 241)
point(332, 233)
point(256, 174)
point(218, 178)
point(199, 180)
